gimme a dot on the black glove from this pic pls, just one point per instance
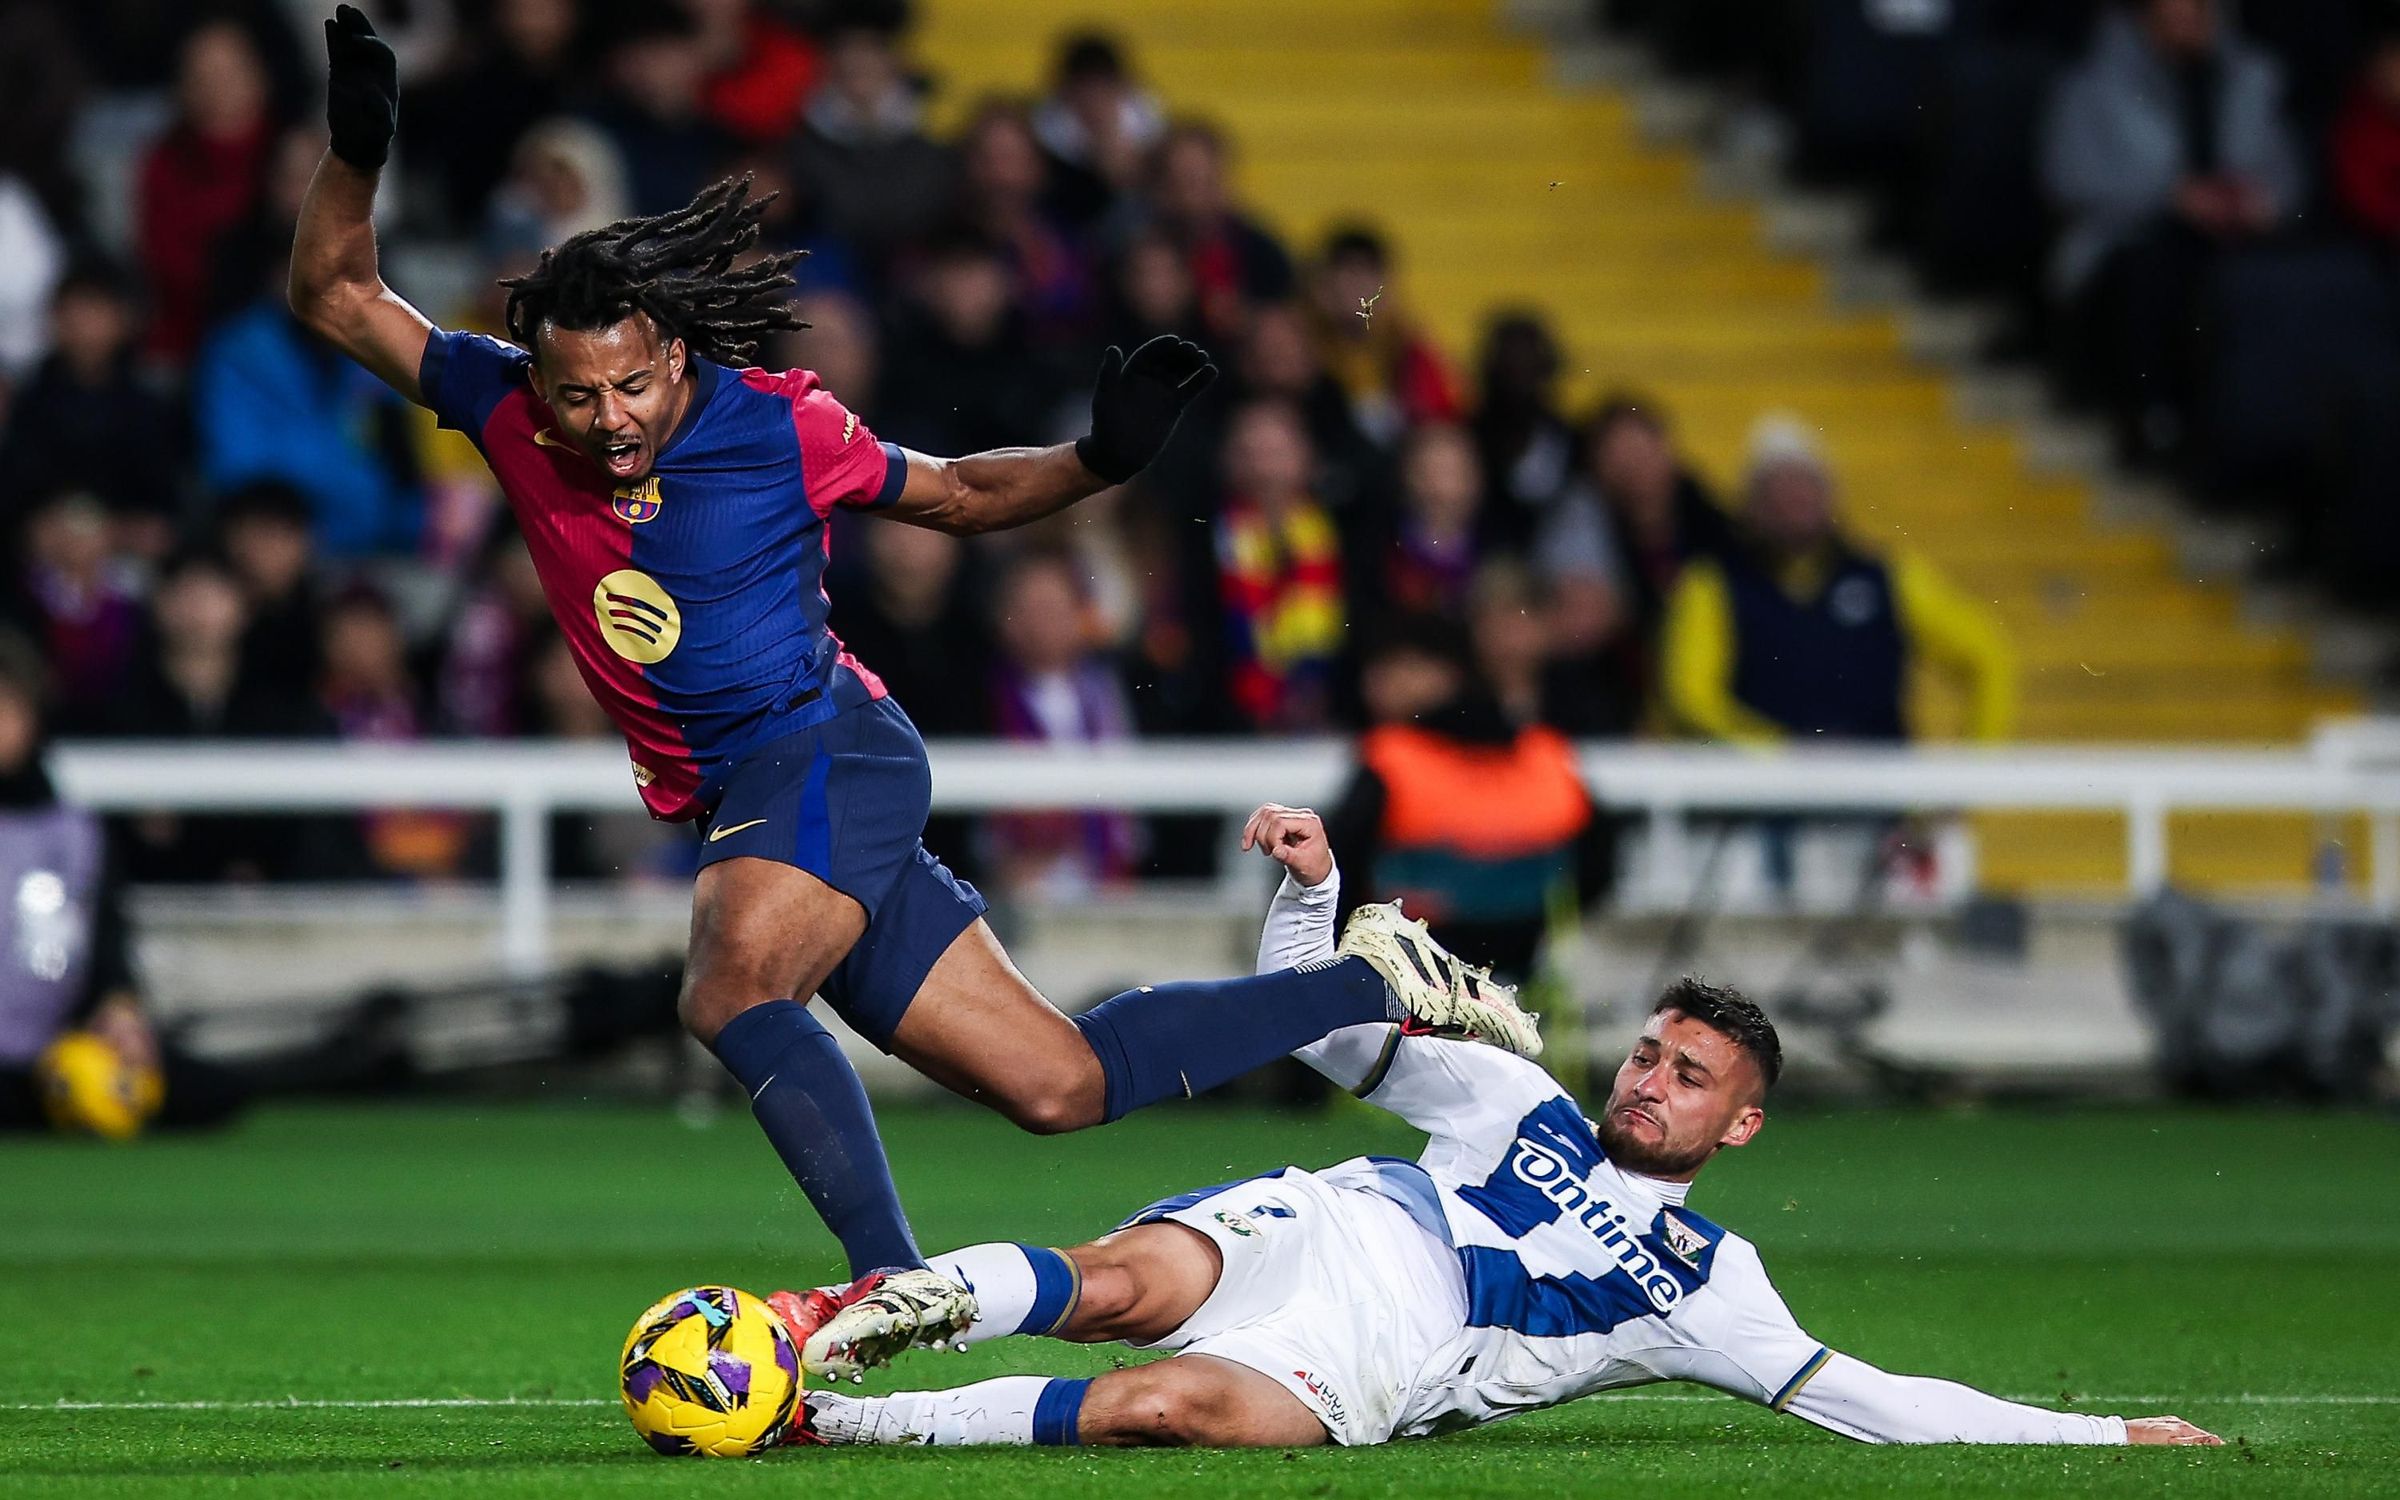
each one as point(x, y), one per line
point(1137, 401)
point(362, 90)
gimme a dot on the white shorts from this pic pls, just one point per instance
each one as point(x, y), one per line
point(1334, 1293)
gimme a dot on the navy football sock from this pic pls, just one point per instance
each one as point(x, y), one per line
point(1171, 1041)
point(808, 1099)
point(1058, 1414)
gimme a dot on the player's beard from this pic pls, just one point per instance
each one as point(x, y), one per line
point(1660, 1158)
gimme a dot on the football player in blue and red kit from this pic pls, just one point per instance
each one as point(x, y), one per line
point(675, 502)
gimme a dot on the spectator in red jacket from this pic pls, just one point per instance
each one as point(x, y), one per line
point(202, 178)
point(760, 69)
point(2366, 144)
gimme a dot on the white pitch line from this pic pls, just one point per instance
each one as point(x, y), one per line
point(2244, 1400)
point(445, 1403)
point(295, 1403)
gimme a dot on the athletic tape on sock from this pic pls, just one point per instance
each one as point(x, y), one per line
point(1057, 1287)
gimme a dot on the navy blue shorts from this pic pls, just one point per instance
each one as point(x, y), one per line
point(846, 801)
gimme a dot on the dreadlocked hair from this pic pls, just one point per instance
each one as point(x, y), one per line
point(676, 267)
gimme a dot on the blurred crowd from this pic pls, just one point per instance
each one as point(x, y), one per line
point(219, 527)
point(2192, 208)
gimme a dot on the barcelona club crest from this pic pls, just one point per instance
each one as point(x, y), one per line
point(637, 503)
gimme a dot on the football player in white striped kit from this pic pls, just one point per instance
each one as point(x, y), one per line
point(1531, 1255)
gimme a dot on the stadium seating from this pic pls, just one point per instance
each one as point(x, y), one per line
point(1432, 118)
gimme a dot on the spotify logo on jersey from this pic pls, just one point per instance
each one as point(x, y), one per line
point(637, 618)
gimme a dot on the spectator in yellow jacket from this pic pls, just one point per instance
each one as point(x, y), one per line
point(1796, 632)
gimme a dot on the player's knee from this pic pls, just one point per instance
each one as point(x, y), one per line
point(697, 1009)
point(723, 978)
point(1060, 1090)
point(1176, 1411)
point(706, 1008)
point(1050, 1112)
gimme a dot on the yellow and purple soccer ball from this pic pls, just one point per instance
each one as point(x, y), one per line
point(710, 1372)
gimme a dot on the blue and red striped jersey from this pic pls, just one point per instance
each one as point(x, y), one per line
point(694, 600)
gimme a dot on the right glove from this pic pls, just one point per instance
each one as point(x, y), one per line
point(362, 90)
point(1137, 401)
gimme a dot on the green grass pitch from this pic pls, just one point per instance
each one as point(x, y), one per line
point(2241, 1270)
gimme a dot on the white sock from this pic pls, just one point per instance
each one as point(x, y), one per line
point(1011, 1411)
point(1018, 1288)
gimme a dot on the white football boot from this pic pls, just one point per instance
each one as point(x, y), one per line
point(1443, 996)
point(847, 1332)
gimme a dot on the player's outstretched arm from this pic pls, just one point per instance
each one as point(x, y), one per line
point(1464, 1094)
point(336, 286)
point(1857, 1400)
point(1751, 1346)
point(1135, 405)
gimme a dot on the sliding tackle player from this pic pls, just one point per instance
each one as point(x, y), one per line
point(1532, 1255)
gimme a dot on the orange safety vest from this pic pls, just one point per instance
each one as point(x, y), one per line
point(1483, 801)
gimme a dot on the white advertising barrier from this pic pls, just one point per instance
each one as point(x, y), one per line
point(2349, 768)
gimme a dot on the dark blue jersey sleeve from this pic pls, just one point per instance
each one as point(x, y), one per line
point(465, 375)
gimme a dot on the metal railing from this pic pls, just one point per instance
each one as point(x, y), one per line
point(2348, 769)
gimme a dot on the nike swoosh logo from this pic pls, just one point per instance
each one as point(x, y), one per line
point(715, 834)
point(543, 439)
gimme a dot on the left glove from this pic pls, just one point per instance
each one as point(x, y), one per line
point(362, 90)
point(1138, 400)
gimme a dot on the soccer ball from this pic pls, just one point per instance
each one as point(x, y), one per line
point(87, 1085)
point(711, 1372)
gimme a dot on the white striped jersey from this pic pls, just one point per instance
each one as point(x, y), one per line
point(1580, 1276)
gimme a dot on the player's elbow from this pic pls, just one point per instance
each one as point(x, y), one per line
point(967, 511)
point(323, 305)
point(313, 305)
point(963, 523)
point(965, 508)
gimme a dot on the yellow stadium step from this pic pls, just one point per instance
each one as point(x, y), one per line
point(2194, 613)
point(1711, 421)
point(1450, 182)
point(2108, 662)
point(954, 34)
point(2039, 640)
point(2078, 851)
point(2270, 718)
point(1213, 71)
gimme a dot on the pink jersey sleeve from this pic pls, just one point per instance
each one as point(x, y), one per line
point(840, 459)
